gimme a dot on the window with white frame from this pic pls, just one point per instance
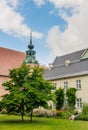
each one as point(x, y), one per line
point(79, 103)
point(65, 86)
point(78, 84)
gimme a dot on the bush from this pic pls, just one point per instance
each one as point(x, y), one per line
point(42, 112)
point(83, 117)
point(64, 114)
point(84, 114)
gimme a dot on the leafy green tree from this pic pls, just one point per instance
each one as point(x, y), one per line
point(27, 90)
point(16, 99)
point(59, 98)
point(71, 96)
point(40, 91)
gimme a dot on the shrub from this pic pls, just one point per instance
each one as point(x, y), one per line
point(84, 114)
point(59, 98)
point(71, 96)
point(42, 112)
point(64, 114)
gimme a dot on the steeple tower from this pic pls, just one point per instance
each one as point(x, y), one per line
point(31, 46)
point(30, 53)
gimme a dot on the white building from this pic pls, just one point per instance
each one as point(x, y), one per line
point(71, 70)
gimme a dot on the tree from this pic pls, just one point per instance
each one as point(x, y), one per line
point(40, 91)
point(27, 90)
point(16, 99)
point(59, 98)
point(71, 96)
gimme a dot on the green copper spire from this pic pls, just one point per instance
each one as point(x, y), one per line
point(30, 53)
point(31, 46)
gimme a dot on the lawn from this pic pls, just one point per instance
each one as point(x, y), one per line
point(14, 123)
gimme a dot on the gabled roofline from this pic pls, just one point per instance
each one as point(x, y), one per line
point(55, 60)
point(84, 53)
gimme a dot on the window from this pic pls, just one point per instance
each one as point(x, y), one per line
point(78, 84)
point(65, 86)
point(55, 84)
point(65, 102)
point(79, 103)
point(67, 62)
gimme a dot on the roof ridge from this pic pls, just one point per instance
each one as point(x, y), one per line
point(11, 49)
point(71, 53)
point(76, 61)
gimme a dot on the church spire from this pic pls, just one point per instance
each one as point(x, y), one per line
point(31, 37)
point(31, 46)
point(30, 53)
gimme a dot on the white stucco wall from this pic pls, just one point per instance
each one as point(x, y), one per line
point(82, 93)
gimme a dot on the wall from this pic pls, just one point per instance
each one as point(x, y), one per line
point(2, 90)
point(81, 93)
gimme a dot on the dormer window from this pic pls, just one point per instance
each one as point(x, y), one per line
point(50, 66)
point(67, 62)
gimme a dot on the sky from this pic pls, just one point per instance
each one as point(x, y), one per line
point(58, 27)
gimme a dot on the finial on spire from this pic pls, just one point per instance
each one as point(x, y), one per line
point(31, 37)
point(30, 46)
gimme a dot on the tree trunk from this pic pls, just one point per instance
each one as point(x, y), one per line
point(31, 114)
point(22, 112)
point(22, 117)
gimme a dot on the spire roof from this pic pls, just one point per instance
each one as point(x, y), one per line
point(30, 53)
point(31, 46)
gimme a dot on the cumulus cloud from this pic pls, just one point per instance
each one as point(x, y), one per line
point(66, 8)
point(65, 3)
point(11, 22)
point(75, 36)
point(39, 2)
point(12, 3)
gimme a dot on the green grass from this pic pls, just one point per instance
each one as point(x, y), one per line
point(14, 123)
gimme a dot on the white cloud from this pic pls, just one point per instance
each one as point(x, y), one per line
point(65, 3)
point(11, 22)
point(39, 2)
point(13, 3)
point(62, 5)
point(75, 37)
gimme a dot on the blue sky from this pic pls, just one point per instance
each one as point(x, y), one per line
point(59, 26)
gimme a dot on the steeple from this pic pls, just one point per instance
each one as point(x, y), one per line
point(31, 46)
point(30, 53)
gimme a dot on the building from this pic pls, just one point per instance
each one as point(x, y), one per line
point(9, 59)
point(71, 70)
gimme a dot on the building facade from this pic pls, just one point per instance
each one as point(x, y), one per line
point(71, 70)
point(9, 59)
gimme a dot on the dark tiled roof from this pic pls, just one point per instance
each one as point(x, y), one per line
point(10, 59)
point(75, 56)
point(75, 68)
